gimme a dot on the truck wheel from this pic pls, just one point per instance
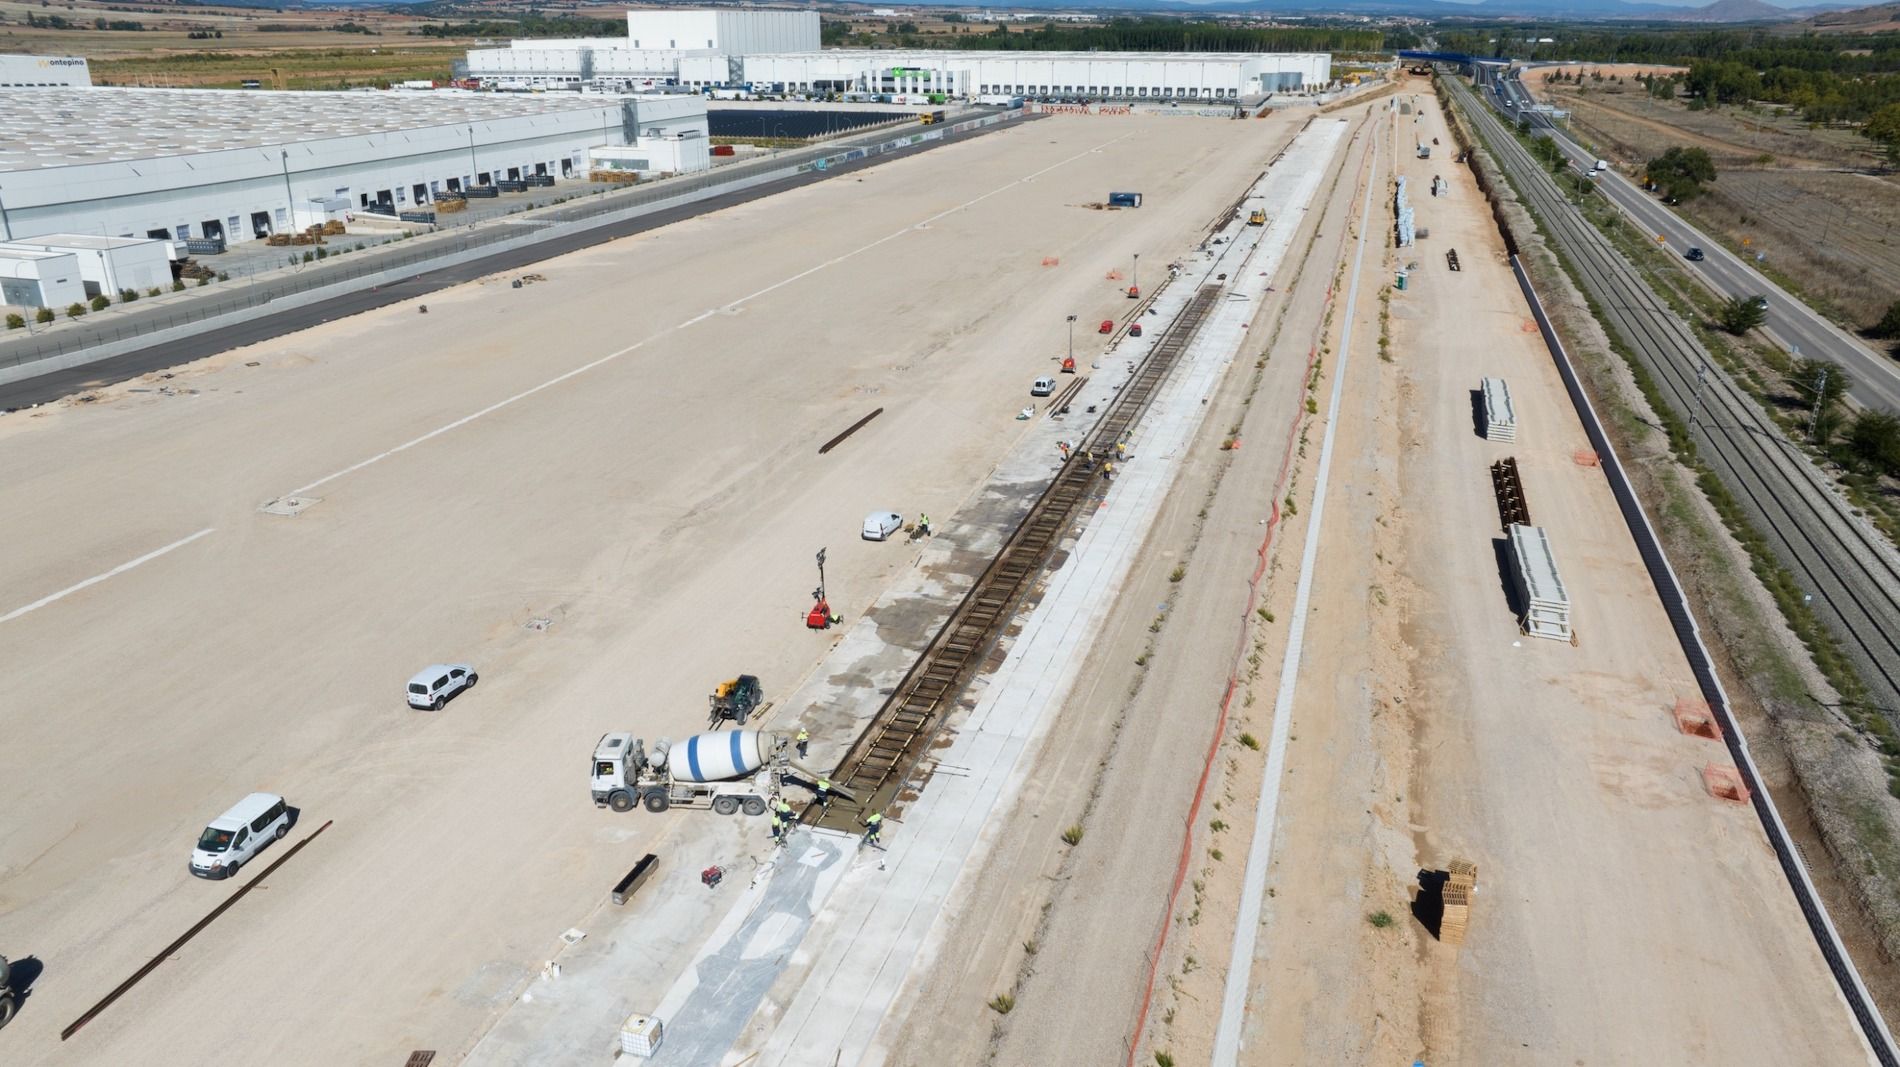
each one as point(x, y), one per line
point(6, 1011)
point(725, 805)
point(656, 802)
point(620, 800)
point(754, 806)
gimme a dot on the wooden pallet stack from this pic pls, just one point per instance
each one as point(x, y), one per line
point(1457, 896)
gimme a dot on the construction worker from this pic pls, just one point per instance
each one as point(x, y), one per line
point(782, 809)
point(1121, 450)
point(873, 826)
point(824, 793)
point(923, 524)
point(1108, 471)
point(1064, 446)
point(778, 828)
point(804, 741)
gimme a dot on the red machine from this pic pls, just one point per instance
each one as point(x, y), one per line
point(1068, 364)
point(1108, 326)
point(1135, 330)
point(819, 617)
point(1134, 292)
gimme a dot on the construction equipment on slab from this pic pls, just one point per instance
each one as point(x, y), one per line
point(1451, 259)
point(1258, 218)
point(735, 700)
point(875, 766)
point(820, 616)
point(730, 772)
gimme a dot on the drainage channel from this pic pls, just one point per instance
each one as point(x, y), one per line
point(877, 765)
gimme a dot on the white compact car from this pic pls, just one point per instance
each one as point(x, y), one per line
point(1042, 387)
point(433, 686)
point(239, 834)
point(880, 525)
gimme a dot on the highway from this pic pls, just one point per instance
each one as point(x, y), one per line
point(1849, 570)
point(1792, 324)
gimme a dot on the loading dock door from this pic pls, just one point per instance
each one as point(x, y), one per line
point(260, 224)
point(213, 229)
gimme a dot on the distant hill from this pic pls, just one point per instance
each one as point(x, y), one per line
point(1735, 11)
point(1857, 20)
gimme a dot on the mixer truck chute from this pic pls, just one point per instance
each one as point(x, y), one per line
point(729, 772)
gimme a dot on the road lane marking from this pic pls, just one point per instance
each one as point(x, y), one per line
point(97, 578)
point(701, 317)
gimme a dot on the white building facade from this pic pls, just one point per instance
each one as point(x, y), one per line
point(261, 163)
point(43, 72)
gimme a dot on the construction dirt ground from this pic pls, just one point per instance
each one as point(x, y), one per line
point(1622, 914)
point(602, 489)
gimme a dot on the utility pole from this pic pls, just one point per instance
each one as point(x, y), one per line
point(1695, 416)
point(1134, 274)
point(290, 202)
point(472, 170)
point(1071, 340)
point(1820, 400)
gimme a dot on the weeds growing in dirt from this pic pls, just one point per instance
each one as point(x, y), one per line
point(1250, 741)
point(1380, 919)
point(1073, 835)
point(1003, 1003)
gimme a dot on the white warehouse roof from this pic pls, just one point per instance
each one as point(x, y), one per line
point(68, 127)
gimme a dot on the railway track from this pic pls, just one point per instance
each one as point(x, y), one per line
point(1848, 570)
point(1759, 451)
point(874, 767)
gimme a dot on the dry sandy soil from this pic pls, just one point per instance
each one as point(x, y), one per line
point(628, 451)
point(1072, 929)
point(1557, 769)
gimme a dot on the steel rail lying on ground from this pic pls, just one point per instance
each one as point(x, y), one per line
point(884, 754)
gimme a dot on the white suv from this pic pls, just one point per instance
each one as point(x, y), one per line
point(433, 686)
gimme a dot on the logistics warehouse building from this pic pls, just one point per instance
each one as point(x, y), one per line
point(237, 165)
point(778, 51)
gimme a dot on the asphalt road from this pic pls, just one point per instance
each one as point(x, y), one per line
point(56, 384)
point(1792, 324)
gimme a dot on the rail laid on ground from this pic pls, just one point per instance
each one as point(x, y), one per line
point(898, 734)
point(197, 928)
point(1852, 574)
point(1669, 590)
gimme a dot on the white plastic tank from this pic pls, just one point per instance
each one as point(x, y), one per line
point(722, 756)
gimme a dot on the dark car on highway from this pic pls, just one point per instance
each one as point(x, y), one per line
point(1693, 255)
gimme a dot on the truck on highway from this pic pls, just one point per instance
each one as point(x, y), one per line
point(730, 772)
point(1602, 165)
point(1124, 200)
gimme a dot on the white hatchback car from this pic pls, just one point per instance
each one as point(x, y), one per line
point(880, 525)
point(433, 686)
point(1042, 387)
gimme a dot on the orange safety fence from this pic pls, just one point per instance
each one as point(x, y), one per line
point(1220, 721)
point(1694, 718)
point(1725, 783)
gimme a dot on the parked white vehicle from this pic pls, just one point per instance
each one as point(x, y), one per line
point(1042, 387)
point(880, 525)
point(434, 685)
point(238, 834)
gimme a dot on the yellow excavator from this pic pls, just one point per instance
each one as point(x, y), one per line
point(1258, 218)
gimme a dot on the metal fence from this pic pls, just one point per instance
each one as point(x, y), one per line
point(238, 301)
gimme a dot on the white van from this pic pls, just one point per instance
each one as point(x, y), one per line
point(239, 834)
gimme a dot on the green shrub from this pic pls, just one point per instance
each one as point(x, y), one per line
point(178, 285)
point(126, 296)
point(73, 311)
point(16, 322)
point(43, 315)
point(100, 302)
point(204, 280)
point(153, 291)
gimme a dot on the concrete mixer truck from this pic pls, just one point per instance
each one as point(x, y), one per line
point(729, 771)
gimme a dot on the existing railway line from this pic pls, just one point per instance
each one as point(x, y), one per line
point(1849, 572)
